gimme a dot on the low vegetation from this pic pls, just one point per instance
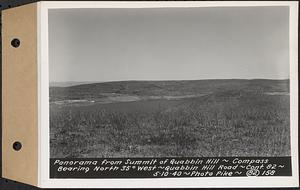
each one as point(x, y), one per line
point(228, 121)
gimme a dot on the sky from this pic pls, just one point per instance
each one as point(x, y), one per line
point(168, 44)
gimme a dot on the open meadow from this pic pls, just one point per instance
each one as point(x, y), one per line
point(198, 118)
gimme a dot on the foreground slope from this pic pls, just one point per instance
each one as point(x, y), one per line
point(206, 118)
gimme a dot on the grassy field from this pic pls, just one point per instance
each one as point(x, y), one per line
point(171, 118)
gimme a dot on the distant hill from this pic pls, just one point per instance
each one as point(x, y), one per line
point(166, 88)
point(68, 84)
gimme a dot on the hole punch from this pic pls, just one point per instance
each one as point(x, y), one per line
point(17, 146)
point(15, 43)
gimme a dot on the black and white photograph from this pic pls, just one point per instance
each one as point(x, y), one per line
point(150, 94)
point(169, 82)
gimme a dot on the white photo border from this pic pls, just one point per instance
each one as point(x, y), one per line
point(43, 86)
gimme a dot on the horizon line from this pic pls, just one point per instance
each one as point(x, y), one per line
point(173, 80)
